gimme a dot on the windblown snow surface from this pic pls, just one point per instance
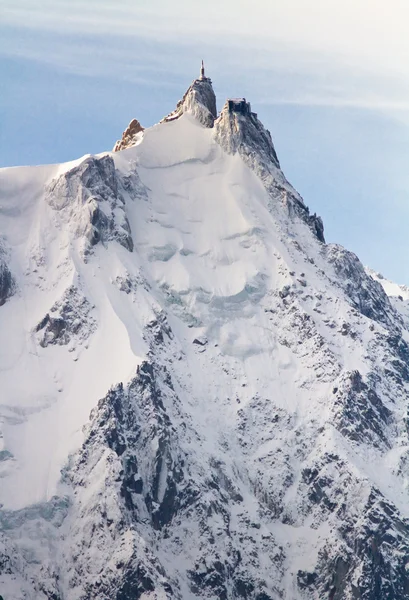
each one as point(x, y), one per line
point(199, 398)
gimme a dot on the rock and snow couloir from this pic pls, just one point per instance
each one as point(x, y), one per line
point(199, 397)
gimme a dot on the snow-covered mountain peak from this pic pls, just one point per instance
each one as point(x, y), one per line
point(200, 399)
point(237, 130)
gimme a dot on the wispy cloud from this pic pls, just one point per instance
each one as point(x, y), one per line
point(340, 53)
point(368, 33)
point(365, 102)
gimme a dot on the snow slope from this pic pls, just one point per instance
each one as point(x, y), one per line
point(247, 383)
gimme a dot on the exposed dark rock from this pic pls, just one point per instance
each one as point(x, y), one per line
point(92, 202)
point(305, 579)
point(245, 134)
point(133, 429)
point(359, 412)
point(317, 226)
point(365, 294)
point(200, 341)
point(38, 520)
point(7, 285)
point(157, 330)
point(400, 364)
point(241, 131)
point(200, 101)
point(362, 569)
point(69, 319)
point(133, 422)
point(135, 583)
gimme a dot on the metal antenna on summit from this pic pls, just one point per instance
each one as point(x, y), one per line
point(202, 71)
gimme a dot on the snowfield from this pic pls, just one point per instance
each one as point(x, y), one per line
point(199, 397)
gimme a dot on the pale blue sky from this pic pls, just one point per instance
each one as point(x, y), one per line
point(329, 79)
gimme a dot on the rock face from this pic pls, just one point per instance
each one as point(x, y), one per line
point(199, 101)
point(6, 282)
point(139, 436)
point(69, 319)
point(238, 130)
point(365, 293)
point(131, 440)
point(89, 197)
point(130, 136)
point(163, 491)
point(247, 384)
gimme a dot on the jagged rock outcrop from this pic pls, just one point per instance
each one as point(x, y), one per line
point(361, 565)
point(366, 294)
point(239, 130)
point(161, 492)
point(90, 198)
point(200, 101)
point(130, 136)
point(359, 413)
point(70, 320)
point(29, 571)
point(130, 441)
point(7, 283)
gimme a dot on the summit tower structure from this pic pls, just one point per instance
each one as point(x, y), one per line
point(202, 72)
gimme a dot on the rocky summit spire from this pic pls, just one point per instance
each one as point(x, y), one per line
point(130, 136)
point(199, 100)
point(239, 130)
